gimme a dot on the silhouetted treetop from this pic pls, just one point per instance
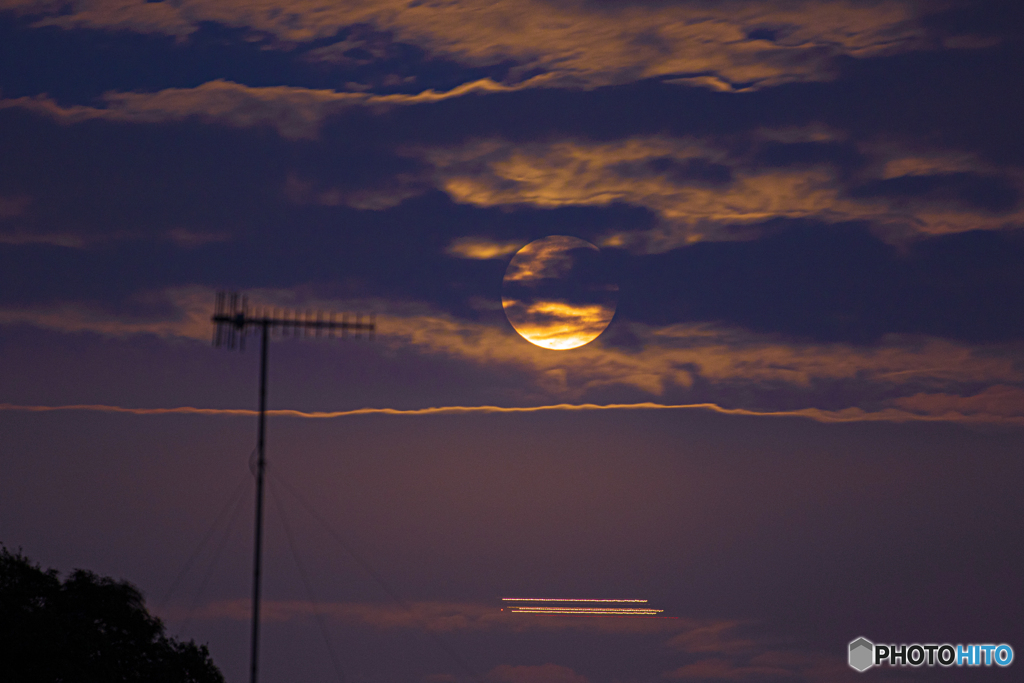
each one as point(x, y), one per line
point(86, 629)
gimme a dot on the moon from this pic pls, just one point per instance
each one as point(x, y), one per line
point(556, 293)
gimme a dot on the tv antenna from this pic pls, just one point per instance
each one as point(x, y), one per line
point(234, 321)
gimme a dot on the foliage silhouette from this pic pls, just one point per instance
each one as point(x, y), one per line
point(87, 629)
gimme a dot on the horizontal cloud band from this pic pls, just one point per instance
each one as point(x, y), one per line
point(816, 414)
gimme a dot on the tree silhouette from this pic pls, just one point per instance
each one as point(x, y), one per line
point(88, 629)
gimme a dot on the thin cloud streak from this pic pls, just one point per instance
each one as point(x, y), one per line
point(818, 415)
point(296, 113)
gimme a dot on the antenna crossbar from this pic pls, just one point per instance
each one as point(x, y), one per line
point(234, 321)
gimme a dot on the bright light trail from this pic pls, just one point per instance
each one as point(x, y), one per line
point(565, 600)
point(582, 610)
point(572, 607)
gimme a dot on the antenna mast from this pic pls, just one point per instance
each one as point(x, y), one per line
point(234, 321)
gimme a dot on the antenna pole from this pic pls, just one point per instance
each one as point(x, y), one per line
point(261, 465)
point(233, 319)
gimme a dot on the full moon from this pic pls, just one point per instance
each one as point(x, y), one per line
point(556, 293)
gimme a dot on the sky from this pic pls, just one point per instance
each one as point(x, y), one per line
point(804, 423)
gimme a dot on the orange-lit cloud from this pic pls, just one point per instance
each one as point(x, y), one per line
point(675, 355)
point(444, 617)
point(550, 257)
point(713, 637)
point(192, 306)
point(997, 400)
point(57, 239)
point(574, 42)
point(375, 198)
point(577, 172)
point(558, 325)
point(725, 670)
point(190, 239)
point(13, 205)
point(665, 359)
point(734, 658)
point(296, 113)
point(433, 616)
point(583, 173)
point(481, 248)
point(765, 663)
point(544, 673)
point(440, 617)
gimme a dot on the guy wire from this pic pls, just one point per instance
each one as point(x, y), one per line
point(202, 544)
point(306, 584)
point(210, 568)
point(376, 576)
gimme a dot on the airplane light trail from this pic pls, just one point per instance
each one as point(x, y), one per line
point(582, 610)
point(565, 600)
point(600, 607)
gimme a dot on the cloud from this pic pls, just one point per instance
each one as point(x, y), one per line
point(390, 193)
point(697, 187)
point(700, 189)
point(810, 666)
point(712, 636)
point(997, 400)
point(57, 239)
point(191, 317)
point(769, 664)
point(724, 670)
point(434, 616)
point(675, 356)
point(192, 239)
point(556, 324)
point(730, 44)
point(481, 248)
point(760, 662)
point(17, 206)
point(551, 257)
point(545, 673)
point(755, 660)
point(296, 113)
point(755, 374)
point(12, 206)
point(124, 15)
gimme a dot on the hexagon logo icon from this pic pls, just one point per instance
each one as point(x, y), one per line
point(862, 654)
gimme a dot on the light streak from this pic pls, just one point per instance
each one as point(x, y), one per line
point(610, 616)
point(846, 415)
point(598, 607)
point(583, 610)
point(566, 600)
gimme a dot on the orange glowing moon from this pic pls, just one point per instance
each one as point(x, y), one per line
point(556, 293)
